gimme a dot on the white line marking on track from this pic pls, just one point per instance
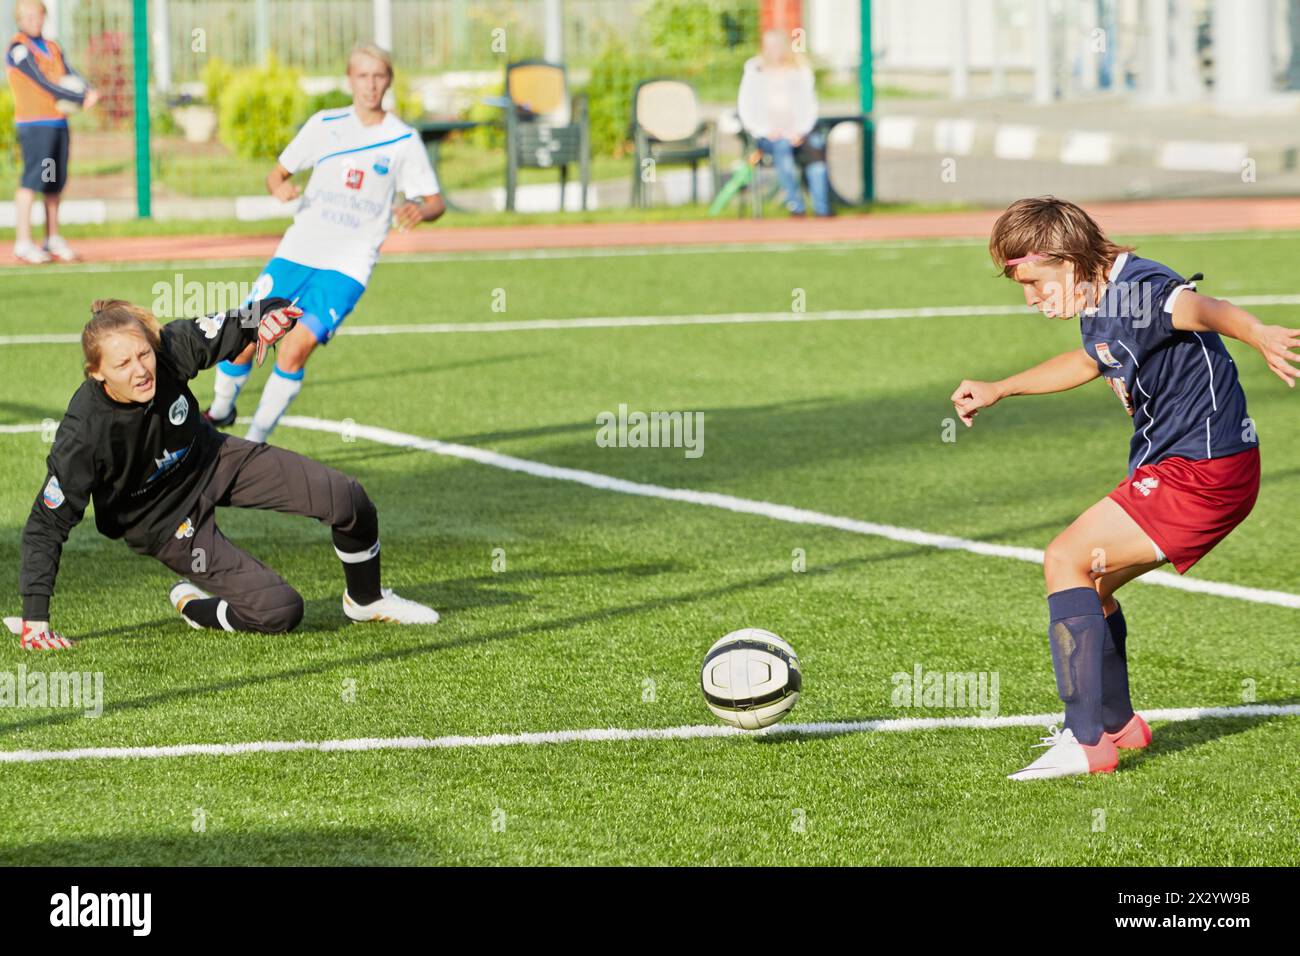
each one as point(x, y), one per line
point(613, 735)
point(638, 321)
point(764, 509)
point(615, 252)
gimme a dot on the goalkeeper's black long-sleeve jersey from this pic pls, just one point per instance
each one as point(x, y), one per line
point(142, 463)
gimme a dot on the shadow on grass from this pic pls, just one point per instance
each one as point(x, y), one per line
point(342, 846)
point(432, 593)
point(1167, 737)
point(1171, 737)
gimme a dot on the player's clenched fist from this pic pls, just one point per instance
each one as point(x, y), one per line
point(970, 397)
point(273, 326)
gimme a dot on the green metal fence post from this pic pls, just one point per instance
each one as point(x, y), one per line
point(867, 101)
point(140, 56)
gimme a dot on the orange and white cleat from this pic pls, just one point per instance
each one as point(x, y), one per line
point(1134, 735)
point(389, 607)
point(1066, 757)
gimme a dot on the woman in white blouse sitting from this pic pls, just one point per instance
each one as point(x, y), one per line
point(778, 107)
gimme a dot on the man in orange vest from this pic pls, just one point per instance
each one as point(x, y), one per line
point(43, 86)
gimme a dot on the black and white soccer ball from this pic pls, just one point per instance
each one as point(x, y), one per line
point(751, 678)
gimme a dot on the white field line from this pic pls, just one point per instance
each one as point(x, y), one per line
point(764, 509)
point(614, 252)
point(640, 321)
point(612, 735)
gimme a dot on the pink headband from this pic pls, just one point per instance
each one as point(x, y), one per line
point(1033, 256)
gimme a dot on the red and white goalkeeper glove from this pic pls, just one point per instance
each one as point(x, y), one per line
point(36, 635)
point(273, 326)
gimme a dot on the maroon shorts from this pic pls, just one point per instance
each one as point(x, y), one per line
point(1187, 507)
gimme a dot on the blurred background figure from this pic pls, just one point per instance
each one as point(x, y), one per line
point(778, 107)
point(45, 88)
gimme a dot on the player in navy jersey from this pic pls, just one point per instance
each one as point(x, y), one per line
point(1193, 471)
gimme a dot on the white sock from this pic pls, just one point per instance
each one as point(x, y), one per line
point(230, 379)
point(281, 389)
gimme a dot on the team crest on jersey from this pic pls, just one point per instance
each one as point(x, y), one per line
point(211, 326)
point(179, 411)
point(381, 165)
point(352, 178)
point(53, 494)
point(186, 530)
point(1103, 353)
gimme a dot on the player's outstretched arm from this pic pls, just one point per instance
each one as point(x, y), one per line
point(1194, 312)
point(1058, 374)
point(193, 345)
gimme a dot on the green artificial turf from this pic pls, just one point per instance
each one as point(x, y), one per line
point(607, 602)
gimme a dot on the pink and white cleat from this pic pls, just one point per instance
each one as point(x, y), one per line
point(1066, 757)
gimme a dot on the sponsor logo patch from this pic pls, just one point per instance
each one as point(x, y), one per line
point(1103, 353)
point(352, 178)
point(211, 324)
point(179, 411)
point(53, 494)
point(186, 530)
point(1146, 486)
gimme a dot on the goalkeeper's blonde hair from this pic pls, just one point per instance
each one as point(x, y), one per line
point(115, 315)
point(375, 50)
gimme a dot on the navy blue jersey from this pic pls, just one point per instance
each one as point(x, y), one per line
point(1180, 387)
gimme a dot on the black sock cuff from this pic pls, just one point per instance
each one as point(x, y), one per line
point(1074, 602)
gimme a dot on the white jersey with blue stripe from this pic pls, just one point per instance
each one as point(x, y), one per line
point(1180, 387)
point(347, 206)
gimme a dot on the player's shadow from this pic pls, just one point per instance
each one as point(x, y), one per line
point(430, 594)
point(478, 591)
point(1166, 738)
point(1171, 737)
point(332, 846)
point(329, 381)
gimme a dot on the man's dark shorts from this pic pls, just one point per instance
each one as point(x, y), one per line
point(45, 157)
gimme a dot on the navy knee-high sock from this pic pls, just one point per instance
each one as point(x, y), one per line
point(1077, 633)
point(1116, 707)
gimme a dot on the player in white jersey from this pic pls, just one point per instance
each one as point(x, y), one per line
point(360, 158)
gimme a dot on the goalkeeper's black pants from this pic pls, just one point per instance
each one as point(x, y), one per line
point(256, 475)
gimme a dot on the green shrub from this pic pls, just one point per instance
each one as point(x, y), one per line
point(8, 132)
point(409, 105)
point(217, 75)
point(329, 100)
point(491, 136)
point(614, 76)
point(704, 42)
point(260, 110)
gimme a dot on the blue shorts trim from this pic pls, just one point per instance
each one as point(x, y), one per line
point(325, 296)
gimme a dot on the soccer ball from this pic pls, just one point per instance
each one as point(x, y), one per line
point(751, 678)
point(73, 84)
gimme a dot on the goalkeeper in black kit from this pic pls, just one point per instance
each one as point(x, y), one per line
point(134, 441)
